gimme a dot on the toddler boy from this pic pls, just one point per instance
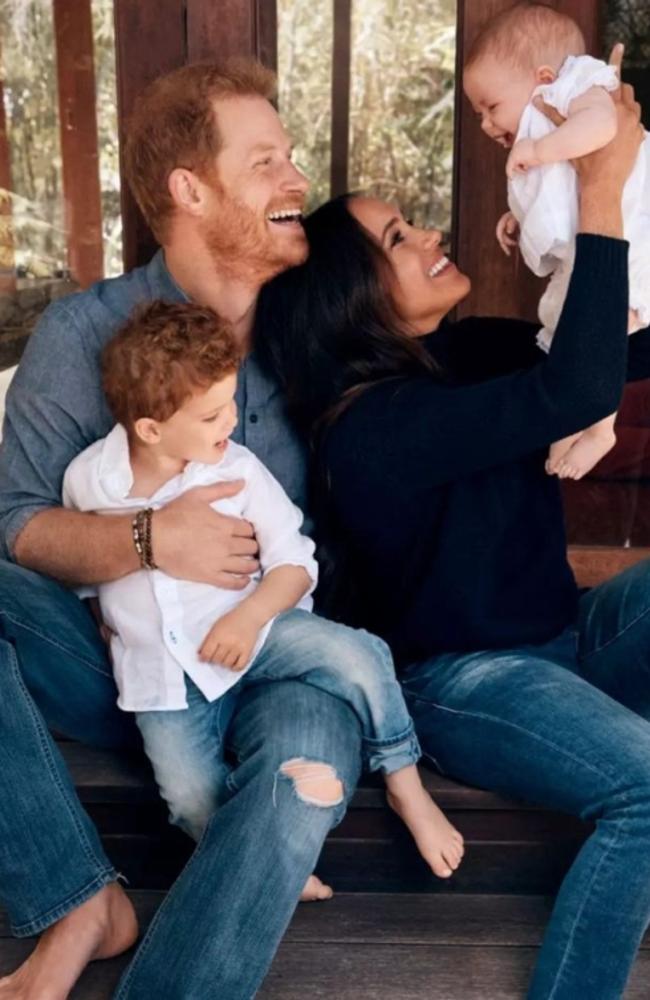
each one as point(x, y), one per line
point(179, 648)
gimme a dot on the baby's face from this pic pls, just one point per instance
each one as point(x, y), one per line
point(498, 93)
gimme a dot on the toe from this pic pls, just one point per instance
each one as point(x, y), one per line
point(441, 867)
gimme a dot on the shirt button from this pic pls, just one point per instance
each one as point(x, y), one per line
point(253, 418)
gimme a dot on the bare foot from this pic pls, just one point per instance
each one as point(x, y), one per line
point(104, 926)
point(439, 843)
point(314, 890)
point(558, 452)
point(585, 453)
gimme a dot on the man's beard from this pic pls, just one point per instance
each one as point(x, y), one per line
point(242, 247)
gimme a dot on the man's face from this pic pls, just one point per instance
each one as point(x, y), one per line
point(253, 226)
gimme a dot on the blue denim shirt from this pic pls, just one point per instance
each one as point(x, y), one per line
point(55, 405)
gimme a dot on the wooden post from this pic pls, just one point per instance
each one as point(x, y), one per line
point(502, 286)
point(7, 258)
point(79, 147)
point(149, 40)
point(341, 79)
point(232, 28)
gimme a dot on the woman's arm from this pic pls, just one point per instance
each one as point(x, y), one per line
point(417, 433)
point(423, 433)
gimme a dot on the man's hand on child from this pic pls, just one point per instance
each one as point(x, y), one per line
point(523, 155)
point(231, 639)
point(507, 232)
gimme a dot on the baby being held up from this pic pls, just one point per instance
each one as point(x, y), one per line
point(531, 51)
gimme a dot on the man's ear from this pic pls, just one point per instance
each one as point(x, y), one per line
point(187, 190)
point(545, 74)
point(147, 430)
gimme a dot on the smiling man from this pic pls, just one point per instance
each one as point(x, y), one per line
point(210, 165)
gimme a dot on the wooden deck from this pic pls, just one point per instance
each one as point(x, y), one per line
point(392, 932)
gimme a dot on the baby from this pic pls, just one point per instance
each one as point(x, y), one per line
point(178, 647)
point(531, 50)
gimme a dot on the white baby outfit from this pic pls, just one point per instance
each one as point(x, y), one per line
point(544, 200)
point(160, 622)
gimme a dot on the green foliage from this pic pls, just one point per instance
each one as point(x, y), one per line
point(402, 98)
point(28, 74)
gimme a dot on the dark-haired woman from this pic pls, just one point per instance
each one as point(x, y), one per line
point(431, 451)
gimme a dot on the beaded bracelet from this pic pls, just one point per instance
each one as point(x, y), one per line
point(141, 528)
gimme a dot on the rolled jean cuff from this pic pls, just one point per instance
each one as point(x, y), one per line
point(392, 755)
point(39, 924)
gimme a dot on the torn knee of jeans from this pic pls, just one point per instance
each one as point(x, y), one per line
point(315, 783)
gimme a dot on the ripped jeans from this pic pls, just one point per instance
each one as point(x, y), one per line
point(185, 746)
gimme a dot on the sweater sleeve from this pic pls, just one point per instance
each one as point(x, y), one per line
point(481, 347)
point(420, 432)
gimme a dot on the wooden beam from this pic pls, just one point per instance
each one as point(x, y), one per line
point(7, 256)
point(150, 40)
point(232, 28)
point(593, 564)
point(73, 33)
point(502, 286)
point(341, 80)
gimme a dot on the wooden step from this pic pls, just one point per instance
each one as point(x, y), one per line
point(384, 947)
point(509, 847)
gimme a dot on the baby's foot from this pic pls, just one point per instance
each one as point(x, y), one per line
point(585, 453)
point(439, 843)
point(315, 890)
point(558, 452)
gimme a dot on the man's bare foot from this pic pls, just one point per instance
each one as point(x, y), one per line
point(314, 890)
point(585, 453)
point(439, 843)
point(104, 926)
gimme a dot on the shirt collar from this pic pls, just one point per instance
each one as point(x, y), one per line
point(161, 282)
point(115, 473)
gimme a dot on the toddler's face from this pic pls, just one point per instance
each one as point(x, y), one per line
point(199, 431)
point(498, 93)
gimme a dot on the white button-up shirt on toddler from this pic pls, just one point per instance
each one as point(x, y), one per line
point(160, 622)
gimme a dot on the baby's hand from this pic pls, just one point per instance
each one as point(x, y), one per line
point(523, 155)
point(231, 639)
point(507, 232)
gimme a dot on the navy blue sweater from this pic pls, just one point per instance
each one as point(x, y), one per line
point(438, 488)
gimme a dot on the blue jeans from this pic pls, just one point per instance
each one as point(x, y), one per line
point(186, 747)
point(55, 673)
point(564, 725)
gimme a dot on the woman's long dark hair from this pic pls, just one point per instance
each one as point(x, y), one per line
point(328, 326)
point(326, 330)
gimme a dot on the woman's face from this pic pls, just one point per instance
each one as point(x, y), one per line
point(424, 284)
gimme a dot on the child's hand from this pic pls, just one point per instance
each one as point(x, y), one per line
point(231, 639)
point(507, 232)
point(523, 155)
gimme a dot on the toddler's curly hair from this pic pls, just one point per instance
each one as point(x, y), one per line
point(161, 356)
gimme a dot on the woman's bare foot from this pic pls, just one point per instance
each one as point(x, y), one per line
point(314, 890)
point(439, 843)
point(104, 926)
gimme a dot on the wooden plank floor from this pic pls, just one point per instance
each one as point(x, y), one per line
point(385, 947)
